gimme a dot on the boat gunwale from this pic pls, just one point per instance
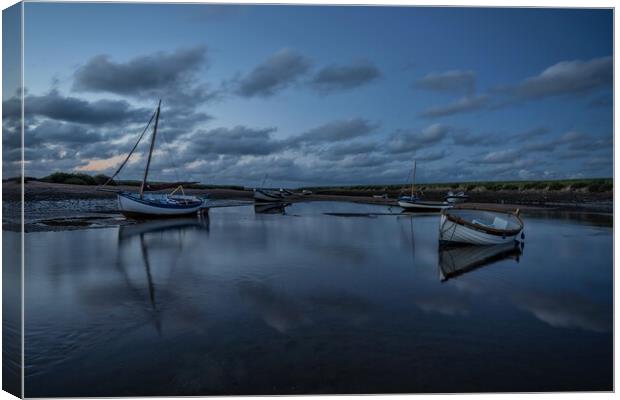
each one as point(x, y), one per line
point(132, 197)
point(492, 231)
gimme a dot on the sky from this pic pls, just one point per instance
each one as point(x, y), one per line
point(316, 95)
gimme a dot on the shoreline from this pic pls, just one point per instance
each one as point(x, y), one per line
point(563, 199)
point(52, 207)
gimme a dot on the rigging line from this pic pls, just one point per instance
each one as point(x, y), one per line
point(132, 150)
point(170, 158)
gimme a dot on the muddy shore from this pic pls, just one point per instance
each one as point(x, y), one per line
point(565, 199)
point(50, 206)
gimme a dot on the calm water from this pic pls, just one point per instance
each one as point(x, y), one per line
point(304, 302)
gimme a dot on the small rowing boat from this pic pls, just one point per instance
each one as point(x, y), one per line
point(480, 226)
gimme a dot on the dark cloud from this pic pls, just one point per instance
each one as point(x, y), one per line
point(404, 142)
point(432, 156)
point(338, 151)
point(568, 77)
point(145, 76)
point(274, 74)
point(50, 132)
point(335, 131)
point(239, 140)
point(72, 109)
point(343, 77)
point(463, 105)
point(459, 82)
point(463, 137)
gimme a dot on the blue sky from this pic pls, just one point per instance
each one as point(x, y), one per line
point(320, 95)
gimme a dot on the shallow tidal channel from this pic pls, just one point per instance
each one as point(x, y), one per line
point(317, 297)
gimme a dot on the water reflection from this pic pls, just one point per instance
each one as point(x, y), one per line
point(457, 260)
point(155, 234)
point(271, 208)
point(241, 304)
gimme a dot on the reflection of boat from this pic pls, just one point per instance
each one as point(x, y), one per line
point(143, 205)
point(172, 224)
point(457, 260)
point(414, 203)
point(459, 197)
point(145, 232)
point(479, 226)
point(271, 208)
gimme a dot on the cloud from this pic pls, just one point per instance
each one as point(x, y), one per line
point(456, 81)
point(55, 133)
point(274, 74)
point(343, 77)
point(336, 152)
point(534, 133)
point(72, 109)
point(404, 142)
point(239, 141)
point(335, 131)
point(432, 156)
point(144, 76)
point(463, 105)
point(568, 77)
point(498, 157)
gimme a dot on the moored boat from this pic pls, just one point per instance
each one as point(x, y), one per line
point(151, 205)
point(459, 197)
point(415, 204)
point(271, 195)
point(481, 226)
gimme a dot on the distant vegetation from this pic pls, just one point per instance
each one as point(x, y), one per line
point(100, 179)
point(586, 185)
point(590, 185)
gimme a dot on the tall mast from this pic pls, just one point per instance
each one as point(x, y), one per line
point(412, 179)
point(148, 161)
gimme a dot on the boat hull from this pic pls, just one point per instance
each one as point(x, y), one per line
point(134, 207)
point(423, 205)
point(268, 195)
point(452, 232)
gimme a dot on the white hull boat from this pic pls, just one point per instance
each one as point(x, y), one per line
point(410, 203)
point(479, 226)
point(269, 195)
point(162, 205)
point(413, 202)
point(459, 197)
point(150, 205)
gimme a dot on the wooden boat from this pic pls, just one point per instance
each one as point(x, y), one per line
point(150, 205)
point(459, 197)
point(480, 226)
point(414, 203)
point(271, 195)
point(458, 260)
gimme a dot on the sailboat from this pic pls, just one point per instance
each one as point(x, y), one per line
point(263, 194)
point(149, 205)
point(414, 203)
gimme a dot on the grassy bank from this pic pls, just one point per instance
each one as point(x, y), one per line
point(598, 185)
point(100, 179)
